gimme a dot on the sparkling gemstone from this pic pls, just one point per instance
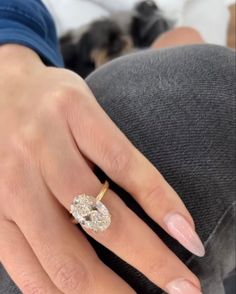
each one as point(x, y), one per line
point(90, 213)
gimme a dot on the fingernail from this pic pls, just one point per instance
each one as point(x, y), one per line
point(182, 231)
point(182, 287)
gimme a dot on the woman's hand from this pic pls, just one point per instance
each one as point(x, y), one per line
point(52, 131)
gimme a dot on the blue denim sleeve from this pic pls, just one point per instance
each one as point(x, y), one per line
point(28, 23)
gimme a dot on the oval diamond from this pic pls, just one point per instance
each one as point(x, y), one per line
point(90, 213)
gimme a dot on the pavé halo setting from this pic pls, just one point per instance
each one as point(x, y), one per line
point(90, 212)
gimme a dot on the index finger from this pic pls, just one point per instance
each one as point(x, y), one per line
point(102, 142)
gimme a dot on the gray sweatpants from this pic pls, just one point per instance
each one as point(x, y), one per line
point(178, 107)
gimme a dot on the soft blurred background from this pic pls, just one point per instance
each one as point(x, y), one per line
point(93, 32)
point(209, 16)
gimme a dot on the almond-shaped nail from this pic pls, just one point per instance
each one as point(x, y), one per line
point(182, 287)
point(182, 231)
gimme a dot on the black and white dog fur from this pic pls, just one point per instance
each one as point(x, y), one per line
point(103, 40)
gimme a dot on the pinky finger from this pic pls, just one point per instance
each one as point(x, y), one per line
point(21, 263)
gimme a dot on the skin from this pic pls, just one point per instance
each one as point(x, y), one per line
point(178, 37)
point(52, 131)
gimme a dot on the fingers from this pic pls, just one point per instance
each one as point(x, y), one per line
point(104, 144)
point(63, 251)
point(21, 263)
point(127, 236)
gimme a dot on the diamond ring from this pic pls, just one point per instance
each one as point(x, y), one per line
point(90, 212)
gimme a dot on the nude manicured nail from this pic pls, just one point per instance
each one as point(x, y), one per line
point(182, 231)
point(182, 287)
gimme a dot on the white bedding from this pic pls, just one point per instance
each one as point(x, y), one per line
point(211, 23)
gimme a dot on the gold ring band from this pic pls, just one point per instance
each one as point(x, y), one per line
point(103, 191)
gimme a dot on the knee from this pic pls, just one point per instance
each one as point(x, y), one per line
point(166, 68)
point(196, 74)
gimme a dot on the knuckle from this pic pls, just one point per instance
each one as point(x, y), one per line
point(61, 99)
point(156, 195)
point(30, 286)
point(157, 267)
point(117, 160)
point(72, 276)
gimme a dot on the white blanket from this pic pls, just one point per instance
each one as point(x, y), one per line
point(209, 17)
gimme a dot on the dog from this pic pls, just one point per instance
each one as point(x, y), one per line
point(88, 48)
